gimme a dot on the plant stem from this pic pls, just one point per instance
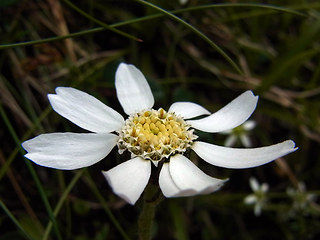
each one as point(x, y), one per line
point(151, 198)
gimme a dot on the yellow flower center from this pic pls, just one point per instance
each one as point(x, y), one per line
point(155, 134)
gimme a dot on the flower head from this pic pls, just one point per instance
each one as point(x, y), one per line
point(301, 198)
point(155, 135)
point(258, 197)
point(239, 133)
point(151, 136)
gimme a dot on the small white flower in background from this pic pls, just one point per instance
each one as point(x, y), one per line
point(301, 199)
point(183, 2)
point(239, 133)
point(151, 136)
point(258, 197)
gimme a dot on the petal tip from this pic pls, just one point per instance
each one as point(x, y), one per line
point(129, 179)
point(252, 93)
point(291, 145)
point(57, 89)
point(60, 89)
point(133, 90)
point(122, 66)
point(51, 97)
point(23, 145)
point(121, 195)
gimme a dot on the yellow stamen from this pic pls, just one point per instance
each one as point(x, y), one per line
point(155, 135)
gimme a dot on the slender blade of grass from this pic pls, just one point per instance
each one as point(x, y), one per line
point(106, 26)
point(294, 54)
point(32, 171)
point(61, 201)
point(196, 31)
point(105, 206)
point(14, 220)
point(146, 18)
point(15, 152)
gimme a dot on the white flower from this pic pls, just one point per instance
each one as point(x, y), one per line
point(239, 133)
point(301, 198)
point(258, 198)
point(150, 135)
point(183, 2)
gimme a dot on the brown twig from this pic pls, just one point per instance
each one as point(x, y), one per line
point(62, 26)
point(19, 191)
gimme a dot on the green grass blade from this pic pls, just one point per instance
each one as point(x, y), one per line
point(196, 31)
point(242, 5)
point(295, 53)
point(106, 26)
point(14, 220)
point(31, 170)
point(15, 152)
point(179, 220)
point(105, 206)
point(52, 39)
point(61, 201)
point(278, 72)
point(146, 18)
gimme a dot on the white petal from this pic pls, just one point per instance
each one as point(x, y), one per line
point(68, 151)
point(133, 90)
point(230, 116)
point(245, 140)
point(241, 157)
point(155, 163)
point(255, 186)
point(250, 199)
point(264, 187)
point(257, 209)
point(230, 141)
point(249, 125)
point(166, 183)
point(227, 132)
point(85, 110)
point(182, 178)
point(129, 179)
point(188, 109)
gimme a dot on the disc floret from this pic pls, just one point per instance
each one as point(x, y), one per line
point(155, 135)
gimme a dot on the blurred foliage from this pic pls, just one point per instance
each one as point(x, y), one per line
point(277, 50)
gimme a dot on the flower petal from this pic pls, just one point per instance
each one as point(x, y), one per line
point(257, 209)
point(68, 151)
point(249, 125)
point(85, 110)
point(254, 184)
point(230, 141)
point(264, 187)
point(232, 115)
point(250, 199)
point(133, 90)
point(180, 177)
point(167, 185)
point(245, 140)
point(188, 109)
point(241, 157)
point(129, 179)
